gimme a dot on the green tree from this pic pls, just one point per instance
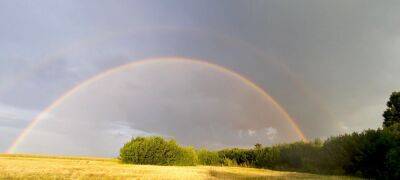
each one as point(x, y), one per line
point(158, 151)
point(207, 157)
point(392, 113)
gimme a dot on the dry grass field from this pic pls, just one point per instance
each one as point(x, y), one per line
point(55, 167)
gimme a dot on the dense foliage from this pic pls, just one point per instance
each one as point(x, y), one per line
point(392, 113)
point(371, 153)
point(208, 157)
point(156, 150)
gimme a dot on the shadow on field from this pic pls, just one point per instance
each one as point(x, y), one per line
point(228, 175)
point(232, 175)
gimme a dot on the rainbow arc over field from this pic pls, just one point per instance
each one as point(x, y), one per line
point(151, 61)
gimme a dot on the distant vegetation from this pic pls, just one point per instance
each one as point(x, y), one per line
point(369, 154)
point(60, 167)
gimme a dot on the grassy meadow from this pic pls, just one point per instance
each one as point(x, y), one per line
point(56, 167)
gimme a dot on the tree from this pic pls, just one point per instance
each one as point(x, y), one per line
point(207, 157)
point(158, 151)
point(392, 113)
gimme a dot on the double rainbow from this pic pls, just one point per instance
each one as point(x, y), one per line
point(150, 61)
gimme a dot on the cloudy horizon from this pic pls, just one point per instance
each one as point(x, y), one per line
point(330, 67)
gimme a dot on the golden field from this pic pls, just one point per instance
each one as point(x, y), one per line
point(58, 167)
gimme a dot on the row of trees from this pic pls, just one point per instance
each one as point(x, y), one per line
point(370, 154)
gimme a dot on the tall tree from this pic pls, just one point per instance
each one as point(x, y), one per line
point(392, 113)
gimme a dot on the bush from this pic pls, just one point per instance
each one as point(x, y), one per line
point(393, 163)
point(370, 154)
point(337, 153)
point(299, 156)
point(267, 157)
point(393, 156)
point(157, 151)
point(208, 157)
point(242, 157)
point(187, 157)
point(229, 162)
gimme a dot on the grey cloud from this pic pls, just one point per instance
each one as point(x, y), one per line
point(342, 55)
point(173, 99)
point(12, 121)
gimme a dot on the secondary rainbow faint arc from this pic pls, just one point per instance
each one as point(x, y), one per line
point(111, 71)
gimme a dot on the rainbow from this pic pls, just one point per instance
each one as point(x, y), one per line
point(111, 71)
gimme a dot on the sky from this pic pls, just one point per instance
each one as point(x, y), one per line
point(330, 64)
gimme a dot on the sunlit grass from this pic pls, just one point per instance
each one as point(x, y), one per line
point(50, 167)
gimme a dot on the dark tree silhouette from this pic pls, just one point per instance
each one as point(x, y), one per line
point(392, 113)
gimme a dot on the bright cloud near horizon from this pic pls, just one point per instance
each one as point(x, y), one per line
point(330, 65)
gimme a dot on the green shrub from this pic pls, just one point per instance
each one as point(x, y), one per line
point(301, 156)
point(187, 157)
point(229, 162)
point(393, 156)
point(337, 153)
point(208, 157)
point(393, 163)
point(243, 157)
point(157, 151)
point(267, 157)
point(370, 154)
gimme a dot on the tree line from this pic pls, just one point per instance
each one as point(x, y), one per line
point(373, 153)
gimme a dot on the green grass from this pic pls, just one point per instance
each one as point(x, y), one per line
point(63, 167)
